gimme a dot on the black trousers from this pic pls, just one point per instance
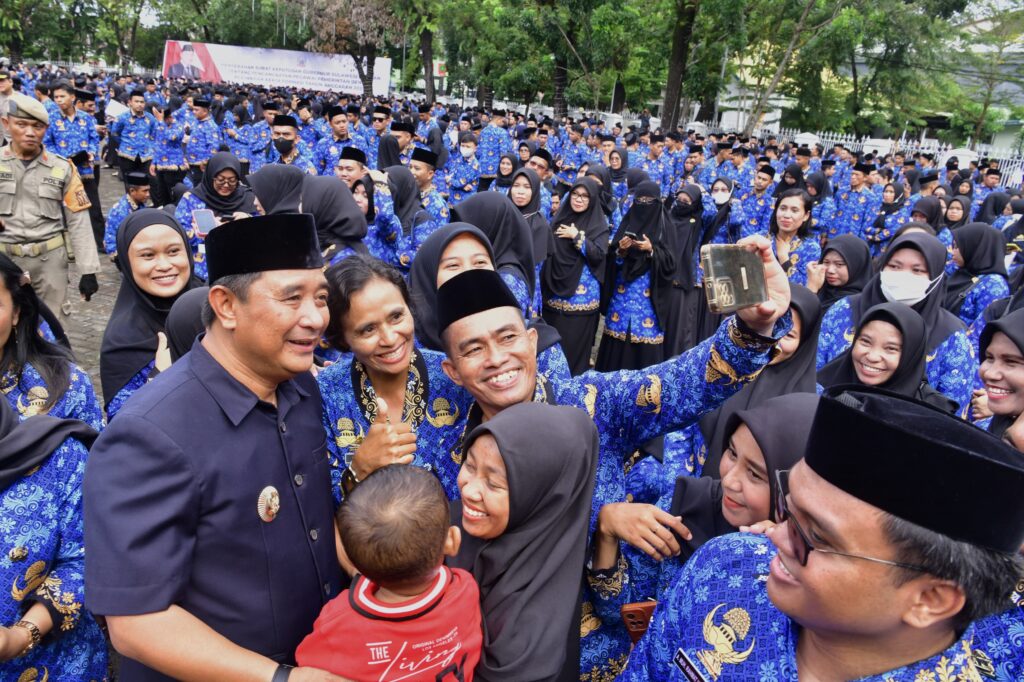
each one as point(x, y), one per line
point(163, 184)
point(92, 190)
point(196, 173)
point(127, 166)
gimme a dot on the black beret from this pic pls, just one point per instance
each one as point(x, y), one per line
point(353, 109)
point(657, 138)
point(424, 156)
point(83, 95)
point(994, 171)
point(920, 464)
point(724, 147)
point(928, 177)
point(471, 292)
point(286, 241)
point(353, 153)
point(767, 170)
point(542, 153)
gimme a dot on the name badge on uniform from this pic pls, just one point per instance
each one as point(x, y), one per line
point(687, 667)
point(269, 504)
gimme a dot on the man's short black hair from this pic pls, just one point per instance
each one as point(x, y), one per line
point(394, 525)
point(238, 285)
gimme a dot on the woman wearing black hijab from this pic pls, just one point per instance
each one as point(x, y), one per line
point(792, 178)
point(405, 195)
point(958, 213)
point(572, 274)
point(185, 321)
point(525, 195)
point(510, 238)
point(792, 371)
point(893, 215)
point(845, 269)
point(156, 268)
point(530, 468)
point(278, 188)
point(388, 152)
point(979, 251)
point(888, 351)
point(503, 180)
point(618, 160)
point(609, 205)
point(637, 287)
point(911, 272)
point(340, 224)
point(992, 207)
point(220, 191)
point(824, 210)
point(911, 178)
point(686, 216)
point(1001, 348)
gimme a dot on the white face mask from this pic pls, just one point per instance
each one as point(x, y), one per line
point(901, 286)
point(467, 152)
point(720, 197)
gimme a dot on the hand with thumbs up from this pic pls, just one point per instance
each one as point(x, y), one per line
point(385, 443)
point(163, 352)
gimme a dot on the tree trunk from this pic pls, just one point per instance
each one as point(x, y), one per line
point(427, 50)
point(681, 34)
point(365, 71)
point(762, 99)
point(484, 96)
point(981, 118)
point(561, 81)
point(856, 91)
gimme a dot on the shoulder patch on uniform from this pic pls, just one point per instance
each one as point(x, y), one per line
point(75, 197)
point(687, 667)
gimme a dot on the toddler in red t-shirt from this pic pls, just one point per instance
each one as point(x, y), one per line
point(406, 616)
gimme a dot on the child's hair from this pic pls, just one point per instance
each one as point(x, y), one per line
point(394, 525)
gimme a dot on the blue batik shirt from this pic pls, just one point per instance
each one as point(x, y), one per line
point(801, 252)
point(168, 154)
point(140, 379)
point(203, 142)
point(985, 290)
point(631, 317)
point(121, 210)
point(240, 144)
point(137, 135)
point(44, 561)
point(29, 395)
point(261, 140)
point(328, 150)
point(855, 211)
point(494, 142)
point(757, 211)
point(717, 622)
point(69, 136)
point(463, 177)
point(435, 408)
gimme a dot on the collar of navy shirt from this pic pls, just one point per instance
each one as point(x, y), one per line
point(234, 398)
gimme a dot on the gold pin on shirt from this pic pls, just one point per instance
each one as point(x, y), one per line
point(268, 504)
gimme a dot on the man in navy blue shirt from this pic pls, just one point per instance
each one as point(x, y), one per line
point(210, 517)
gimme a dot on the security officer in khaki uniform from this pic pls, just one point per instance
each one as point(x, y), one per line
point(44, 212)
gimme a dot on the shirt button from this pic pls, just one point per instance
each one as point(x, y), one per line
point(283, 427)
point(314, 534)
point(327, 588)
point(298, 479)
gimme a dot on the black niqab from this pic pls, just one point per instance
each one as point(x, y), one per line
point(688, 221)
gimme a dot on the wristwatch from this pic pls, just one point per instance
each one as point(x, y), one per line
point(282, 673)
point(34, 636)
point(349, 480)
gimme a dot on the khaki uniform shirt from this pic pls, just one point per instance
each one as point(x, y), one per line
point(35, 200)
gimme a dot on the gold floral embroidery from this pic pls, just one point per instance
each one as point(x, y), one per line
point(608, 585)
point(717, 368)
point(723, 637)
point(32, 403)
point(983, 664)
point(32, 675)
point(347, 435)
point(590, 399)
point(63, 602)
point(589, 621)
point(630, 338)
point(414, 409)
point(650, 395)
point(745, 339)
point(34, 577)
point(607, 672)
point(17, 554)
point(564, 306)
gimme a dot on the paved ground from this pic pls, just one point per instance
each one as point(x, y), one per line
point(90, 319)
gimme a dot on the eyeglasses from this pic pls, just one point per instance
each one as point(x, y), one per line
point(798, 539)
point(580, 195)
point(226, 182)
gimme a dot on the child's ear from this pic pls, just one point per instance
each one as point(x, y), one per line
point(453, 541)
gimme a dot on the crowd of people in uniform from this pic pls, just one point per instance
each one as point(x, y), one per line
point(393, 390)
